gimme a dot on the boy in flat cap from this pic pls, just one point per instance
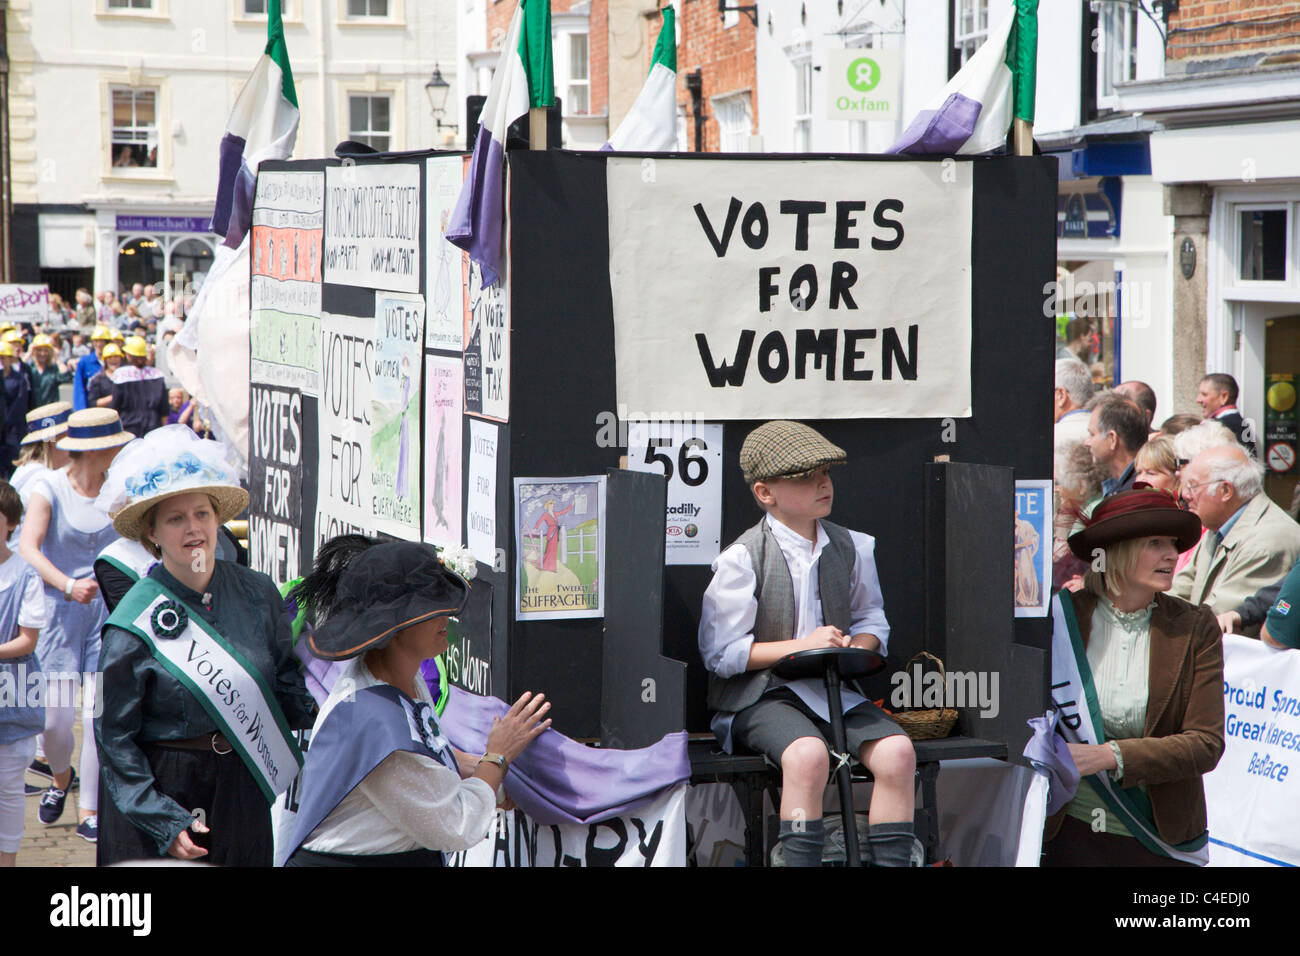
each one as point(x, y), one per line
point(795, 582)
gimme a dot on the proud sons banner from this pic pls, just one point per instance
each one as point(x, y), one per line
point(770, 289)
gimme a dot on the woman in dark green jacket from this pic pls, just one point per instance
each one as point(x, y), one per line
point(45, 373)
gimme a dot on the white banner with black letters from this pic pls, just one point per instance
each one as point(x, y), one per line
point(651, 835)
point(769, 289)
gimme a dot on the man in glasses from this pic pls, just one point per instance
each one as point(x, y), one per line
point(1249, 541)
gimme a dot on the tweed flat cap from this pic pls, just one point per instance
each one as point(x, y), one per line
point(786, 450)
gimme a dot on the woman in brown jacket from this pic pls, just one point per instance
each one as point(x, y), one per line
point(1138, 676)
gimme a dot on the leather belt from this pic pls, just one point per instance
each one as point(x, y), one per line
point(216, 742)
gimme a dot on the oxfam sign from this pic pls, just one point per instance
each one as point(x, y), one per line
point(863, 74)
point(863, 85)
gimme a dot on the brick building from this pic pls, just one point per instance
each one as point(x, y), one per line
point(722, 49)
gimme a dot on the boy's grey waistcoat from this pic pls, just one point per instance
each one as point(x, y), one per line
point(774, 593)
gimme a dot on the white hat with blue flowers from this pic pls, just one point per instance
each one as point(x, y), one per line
point(169, 461)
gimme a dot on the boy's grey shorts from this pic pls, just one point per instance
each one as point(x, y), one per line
point(780, 718)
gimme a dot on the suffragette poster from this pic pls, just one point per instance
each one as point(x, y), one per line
point(395, 414)
point(561, 547)
point(813, 290)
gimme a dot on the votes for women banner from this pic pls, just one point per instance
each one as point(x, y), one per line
point(752, 289)
point(1252, 794)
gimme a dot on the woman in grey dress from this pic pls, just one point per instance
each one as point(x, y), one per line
point(62, 533)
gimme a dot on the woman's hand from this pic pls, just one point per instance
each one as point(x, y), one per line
point(183, 847)
point(511, 734)
point(1230, 622)
point(84, 590)
point(1092, 758)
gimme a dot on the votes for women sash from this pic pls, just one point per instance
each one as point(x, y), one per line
point(1075, 695)
point(231, 690)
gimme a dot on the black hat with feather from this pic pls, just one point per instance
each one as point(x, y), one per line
point(362, 591)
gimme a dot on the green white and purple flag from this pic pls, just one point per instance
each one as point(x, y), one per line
point(524, 79)
point(651, 123)
point(263, 125)
point(974, 111)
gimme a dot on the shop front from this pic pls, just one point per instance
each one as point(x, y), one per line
point(168, 251)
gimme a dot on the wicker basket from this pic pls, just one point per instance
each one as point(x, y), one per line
point(931, 723)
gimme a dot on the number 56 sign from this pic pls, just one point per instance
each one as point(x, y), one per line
point(690, 455)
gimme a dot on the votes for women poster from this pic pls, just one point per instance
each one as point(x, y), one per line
point(561, 546)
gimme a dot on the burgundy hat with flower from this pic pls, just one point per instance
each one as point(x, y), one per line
point(1140, 513)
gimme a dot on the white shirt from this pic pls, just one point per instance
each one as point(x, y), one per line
point(729, 611)
point(409, 802)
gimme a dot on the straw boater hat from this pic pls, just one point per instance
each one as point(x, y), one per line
point(380, 591)
point(786, 450)
point(169, 461)
point(1140, 513)
point(93, 428)
point(47, 422)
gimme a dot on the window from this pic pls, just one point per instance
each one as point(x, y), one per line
point(803, 72)
point(130, 4)
point(734, 126)
point(135, 129)
point(370, 121)
point(1262, 255)
point(578, 99)
point(1116, 47)
point(254, 8)
point(368, 8)
point(970, 27)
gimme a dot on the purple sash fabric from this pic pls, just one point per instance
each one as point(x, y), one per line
point(558, 780)
point(1047, 751)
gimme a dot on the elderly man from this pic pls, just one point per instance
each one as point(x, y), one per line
point(1073, 392)
point(1116, 430)
point(1249, 541)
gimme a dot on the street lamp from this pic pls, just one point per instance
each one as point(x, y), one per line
point(437, 89)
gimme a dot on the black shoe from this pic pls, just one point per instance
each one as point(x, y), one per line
point(51, 807)
point(41, 769)
point(88, 829)
point(33, 789)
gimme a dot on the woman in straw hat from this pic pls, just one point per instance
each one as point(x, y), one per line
point(62, 532)
point(46, 373)
point(17, 402)
point(201, 686)
point(375, 793)
point(40, 454)
point(1139, 676)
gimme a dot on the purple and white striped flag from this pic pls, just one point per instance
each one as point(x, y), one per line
point(974, 111)
point(524, 79)
point(263, 125)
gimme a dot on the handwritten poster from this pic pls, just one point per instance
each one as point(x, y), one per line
point(395, 414)
point(487, 346)
point(481, 499)
point(24, 303)
point(443, 327)
point(343, 496)
point(372, 226)
point(806, 297)
point(275, 482)
point(285, 249)
point(560, 524)
point(442, 431)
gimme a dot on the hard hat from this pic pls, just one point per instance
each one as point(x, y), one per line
point(136, 346)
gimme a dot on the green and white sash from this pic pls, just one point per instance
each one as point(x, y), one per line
point(231, 690)
point(1075, 695)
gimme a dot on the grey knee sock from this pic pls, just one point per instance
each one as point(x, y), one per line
point(891, 843)
point(802, 847)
